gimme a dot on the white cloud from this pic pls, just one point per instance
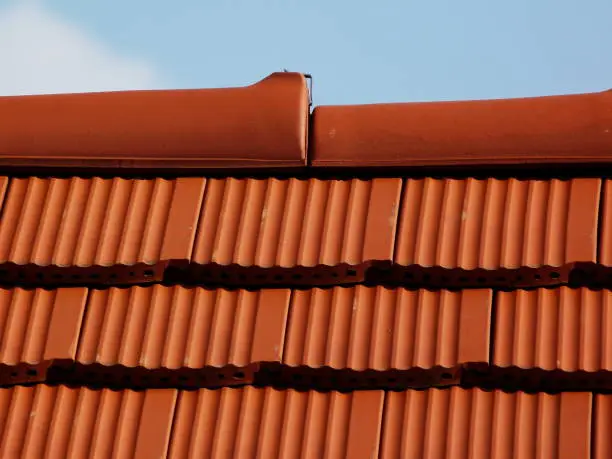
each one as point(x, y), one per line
point(43, 53)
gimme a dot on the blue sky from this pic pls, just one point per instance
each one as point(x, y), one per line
point(357, 52)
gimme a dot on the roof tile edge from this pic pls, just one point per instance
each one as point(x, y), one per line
point(537, 130)
point(261, 125)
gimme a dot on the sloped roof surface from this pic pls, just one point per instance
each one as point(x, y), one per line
point(182, 275)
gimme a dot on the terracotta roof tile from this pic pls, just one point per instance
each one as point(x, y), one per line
point(99, 222)
point(495, 224)
point(602, 426)
point(376, 328)
point(161, 327)
point(554, 129)
point(294, 222)
point(38, 326)
point(60, 422)
point(464, 423)
point(562, 328)
point(272, 423)
point(262, 125)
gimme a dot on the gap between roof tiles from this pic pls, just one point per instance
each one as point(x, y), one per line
point(539, 172)
point(369, 274)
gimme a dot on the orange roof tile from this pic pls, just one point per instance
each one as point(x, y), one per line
point(262, 125)
point(553, 129)
point(61, 422)
point(458, 423)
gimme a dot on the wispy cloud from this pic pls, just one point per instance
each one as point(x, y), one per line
point(41, 52)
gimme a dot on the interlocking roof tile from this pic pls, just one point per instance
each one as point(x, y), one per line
point(563, 328)
point(39, 326)
point(270, 423)
point(99, 222)
point(602, 427)
point(262, 125)
point(554, 129)
point(65, 423)
point(293, 222)
point(175, 327)
point(470, 423)
point(495, 224)
point(377, 328)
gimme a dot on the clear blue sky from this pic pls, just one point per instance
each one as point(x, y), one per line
point(357, 52)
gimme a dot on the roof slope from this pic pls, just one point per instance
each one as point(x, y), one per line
point(181, 276)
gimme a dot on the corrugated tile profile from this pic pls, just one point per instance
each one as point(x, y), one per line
point(65, 423)
point(99, 222)
point(493, 223)
point(176, 327)
point(471, 423)
point(289, 223)
point(270, 423)
point(602, 426)
point(40, 325)
point(563, 328)
point(605, 240)
point(364, 328)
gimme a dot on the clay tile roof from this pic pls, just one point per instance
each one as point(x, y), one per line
point(181, 275)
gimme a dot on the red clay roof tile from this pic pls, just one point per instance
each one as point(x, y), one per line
point(365, 328)
point(464, 423)
point(602, 427)
point(38, 325)
point(253, 422)
point(60, 422)
point(99, 222)
point(554, 129)
point(290, 223)
point(262, 125)
point(495, 224)
point(175, 327)
point(561, 328)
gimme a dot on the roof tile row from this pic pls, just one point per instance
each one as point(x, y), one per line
point(59, 422)
point(357, 328)
point(266, 125)
point(173, 328)
point(292, 224)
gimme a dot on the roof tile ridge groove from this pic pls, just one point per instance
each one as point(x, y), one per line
point(257, 126)
point(537, 130)
point(372, 273)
